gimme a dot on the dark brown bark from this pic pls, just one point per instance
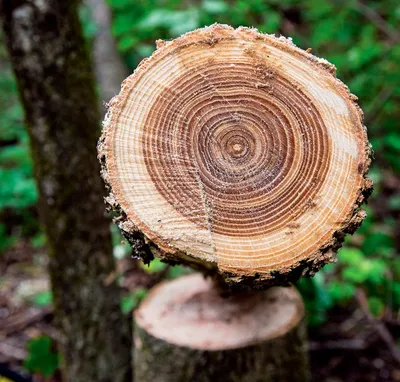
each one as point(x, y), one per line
point(279, 360)
point(55, 79)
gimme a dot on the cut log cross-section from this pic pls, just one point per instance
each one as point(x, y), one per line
point(237, 152)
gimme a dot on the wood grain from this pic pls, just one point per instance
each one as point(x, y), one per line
point(185, 331)
point(238, 151)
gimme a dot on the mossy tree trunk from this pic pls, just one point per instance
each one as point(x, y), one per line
point(55, 80)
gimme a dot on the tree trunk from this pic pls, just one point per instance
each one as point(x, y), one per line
point(239, 153)
point(109, 68)
point(186, 332)
point(55, 80)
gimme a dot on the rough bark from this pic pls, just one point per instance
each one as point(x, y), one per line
point(280, 360)
point(56, 85)
point(238, 153)
point(109, 68)
point(158, 358)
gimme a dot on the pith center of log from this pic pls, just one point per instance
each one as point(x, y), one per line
point(236, 151)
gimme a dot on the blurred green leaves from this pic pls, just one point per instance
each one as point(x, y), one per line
point(317, 299)
point(368, 61)
point(371, 270)
point(43, 298)
point(41, 358)
point(215, 7)
point(154, 266)
point(367, 57)
point(6, 241)
point(378, 243)
point(176, 22)
point(139, 24)
point(132, 299)
point(337, 284)
point(18, 191)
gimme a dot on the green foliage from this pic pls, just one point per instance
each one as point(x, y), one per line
point(178, 271)
point(154, 266)
point(121, 248)
point(41, 358)
point(374, 268)
point(18, 193)
point(6, 241)
point(316, 298)
point(368, 61)
point(131, 300)
point(367, 58)
point(138, 24)
point(38, 241)
point(43, 299)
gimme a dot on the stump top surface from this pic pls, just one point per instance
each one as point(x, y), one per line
point(189, 312)
point(237, 149)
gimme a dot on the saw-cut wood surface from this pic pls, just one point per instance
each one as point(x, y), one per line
point(238, 151)
point(190, 312)
point(185, 331)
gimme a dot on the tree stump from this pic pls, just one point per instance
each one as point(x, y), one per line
point(237, 153)
point(185, 331)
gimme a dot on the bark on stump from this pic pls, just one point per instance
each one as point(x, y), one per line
point(237, 153)
point(185, 331)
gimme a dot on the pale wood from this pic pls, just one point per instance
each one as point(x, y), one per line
point(185, 331)
point(236, 152)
